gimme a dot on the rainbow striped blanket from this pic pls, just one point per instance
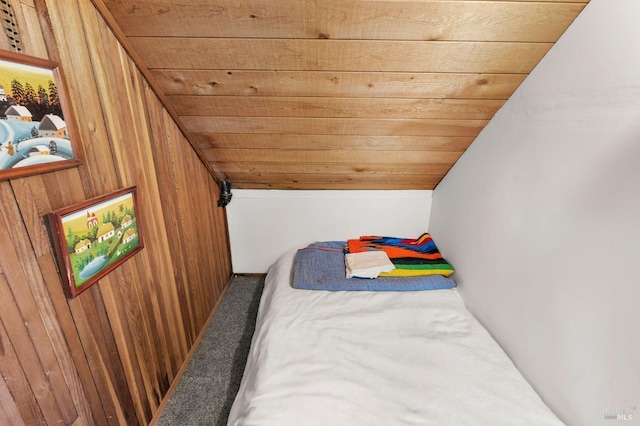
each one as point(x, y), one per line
point(411, 257)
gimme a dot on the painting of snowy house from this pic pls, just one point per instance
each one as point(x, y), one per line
point(52, 126)
point(82, 246)
point(18, 113)
point(105, 231)
point(38, 132)
point(39, 150)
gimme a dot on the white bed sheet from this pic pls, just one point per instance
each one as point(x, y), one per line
point(376, 358)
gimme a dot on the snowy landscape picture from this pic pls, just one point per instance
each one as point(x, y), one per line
point(93, 237)
point(34, 127)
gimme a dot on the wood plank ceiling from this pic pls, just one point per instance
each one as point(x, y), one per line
point(338, 94)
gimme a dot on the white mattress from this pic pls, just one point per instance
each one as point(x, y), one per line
point(376, 358)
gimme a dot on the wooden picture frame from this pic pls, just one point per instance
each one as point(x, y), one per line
point(94, 237)
point(37, 127)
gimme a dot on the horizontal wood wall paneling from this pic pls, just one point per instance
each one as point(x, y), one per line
point(335, 107)
point(339, 55)
point(332, 156)
point(385, 143)
point(357, 84)
point(338, 19)
point(335, 126)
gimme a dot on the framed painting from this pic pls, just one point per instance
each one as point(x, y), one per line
point(94, 237)
point(37, 129)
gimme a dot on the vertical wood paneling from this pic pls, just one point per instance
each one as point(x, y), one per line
point(95, 407)
point(33, 317)
point(13, 374)
point(110, 355)
point(163, 138)
point(27, 17)
point(9, 413)
point(135, 165)
point(187, 214)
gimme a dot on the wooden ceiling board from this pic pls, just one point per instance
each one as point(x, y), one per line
point(332, 156)
point(347, 180)
point(377, 169)
point(338, 94)
point(270, 141)
point(349, 20)
point(334, 126)
point(354, 185)
point(335, 107)
point(339, 55)
point(337, 84)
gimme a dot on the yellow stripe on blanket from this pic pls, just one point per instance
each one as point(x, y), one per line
point(416, 272)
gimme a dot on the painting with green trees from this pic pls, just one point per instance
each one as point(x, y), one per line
point(97, 237)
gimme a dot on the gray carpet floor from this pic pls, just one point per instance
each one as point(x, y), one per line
point(211, 379)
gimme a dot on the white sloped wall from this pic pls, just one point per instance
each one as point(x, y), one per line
point(541, 219)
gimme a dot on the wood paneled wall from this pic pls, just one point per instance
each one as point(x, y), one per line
point(110, 355)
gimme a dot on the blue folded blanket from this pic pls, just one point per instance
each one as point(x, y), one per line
point(320, 266)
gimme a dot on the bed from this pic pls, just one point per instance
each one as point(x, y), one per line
point(376, 358)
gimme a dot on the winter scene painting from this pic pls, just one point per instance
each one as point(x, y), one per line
point(94, 237)
point(34, 130)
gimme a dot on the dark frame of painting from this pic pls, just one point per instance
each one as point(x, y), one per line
point(27, 149)
point(94, 237)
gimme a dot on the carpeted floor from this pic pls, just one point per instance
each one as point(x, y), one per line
point(211, 380)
